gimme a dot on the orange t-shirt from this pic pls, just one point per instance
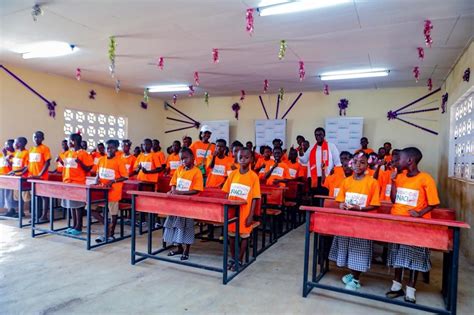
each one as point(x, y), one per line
point(280, 172)
point(242, 187)
point(59, 166)
point(384, 183)
point(96, 156)
point(388, 158)
point(128, 160)
point(148, 161)
point(20, 160)
point(367, 151)
point(186, 180)
point(111, 169)
point(295, 169)
point(216, 176)
point(199, 149)
point(37, 159)
point(415, 193)
point(4, 166)
point(284, 157)
point(333, 182)
point(370, 172)
point(363, 192)
point(173, 162)
point(265, 163)
point(73, 172)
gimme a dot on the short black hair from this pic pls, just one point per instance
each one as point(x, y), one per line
point(188, 137)
point(278, 148)
point(246, 149)
point(64, 141)
point(361, 153)
point(396, 151)
point(222, 141)
point(413, 153)
point(156, 140)
point(40, 133)
point(249, 142)
point(186, 150)
point(112, 142)
point(306, 141)
point(76, 137)
point(177, 142)
point(364, 138)
point(147, 140)
point(387, 143)
point(320, 129)
point(100, 144)
point(277, 140)
point(300, 137)
point(346, 153)
point(127, 142)
point(22, 140)
point(237, 143)
point(10, 141)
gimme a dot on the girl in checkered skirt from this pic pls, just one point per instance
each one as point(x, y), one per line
point(359, 192)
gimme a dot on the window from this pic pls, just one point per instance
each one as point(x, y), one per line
point(94, 127)
point(461, 157)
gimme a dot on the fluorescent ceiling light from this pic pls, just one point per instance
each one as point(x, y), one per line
point(46, 49)
point(272, 7)
point(354, 74)
point(169, 88)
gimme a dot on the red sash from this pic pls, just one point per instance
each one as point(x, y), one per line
point(312, 161)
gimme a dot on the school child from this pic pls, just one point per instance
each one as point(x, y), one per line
point(303, 148)
point(39, 160)
point(6, 195)
point(242, 184)
point(255, 155)
point(160, 155)
point(137, 151)
point(364, 142)
point(84, 145)
point(278, 173)
point(148, 164)
point(19, 164)
point(373, 161)
point(173, 161)
point(236, 147)
point(96, 156)
point(388, 148)
point(384, 175)
point(360, 192)
point(264, 162)
point(295, 169)
point(338, 174)
point(277, 143)
point(187, 141)
point(111, 172)
point(127, 157)
point(202, 148)
point(299, 141)
point(77, 163)
point(60, 158)
point(218, 165)
point(187, 180)
point(413, 194)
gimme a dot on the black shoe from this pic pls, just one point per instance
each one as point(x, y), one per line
point(11, 213)
point(394, 294)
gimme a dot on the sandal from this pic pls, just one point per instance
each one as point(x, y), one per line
point(184, 257)
point(395, 294)
point(233, 266)
point(174, 253)
point(230, 264)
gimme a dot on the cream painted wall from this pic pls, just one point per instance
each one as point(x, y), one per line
point(311, 111)
point(455, 193)
point(22, 112)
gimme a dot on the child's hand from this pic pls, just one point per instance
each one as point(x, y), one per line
point(332, 171)
point(145, 171)
point(275, 165)
point(323, 166)
point(394, 173)
point(12, 173)
point(414, 213)
point(233, 167)
point(348, 206)
point(249, 221)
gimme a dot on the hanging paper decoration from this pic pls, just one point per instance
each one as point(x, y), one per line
point(112, 47)
point(161, 63)
point(281, 92)
point(236, 108)
point(36, 11)
point(175, 98)
point(146, 98)
point(421, 53)
point(206, 98)
point(301, 71)
point(78, 74)
point(92, 94)
point(416, 73)
point(144, 105)
point(265, 86)
point(191, 91)
point(444, 102)
point(427, 33)
point(196, 78)
point(343, 104)
point(282, 52)
point(326, 89)
point(117, 86)
point(52, 109)
point(242, 95)
point(429, 84)
point(249, 18)
point(215, 55)
point(466, 75)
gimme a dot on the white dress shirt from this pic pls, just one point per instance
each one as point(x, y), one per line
point(334, 159)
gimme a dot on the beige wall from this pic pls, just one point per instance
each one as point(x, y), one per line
point(311, 111)
point(455, 193)
point(22, 112)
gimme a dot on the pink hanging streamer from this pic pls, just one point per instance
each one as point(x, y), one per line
point(421, 53)
point(302, 71)
point(416, 73)
point(265, 86)
point(215, 55)
point(161, 63)
point(326, 89)
point(427, 32)
point(78, 74)
point(196, 78)
point(249, 18)
point(191, 91)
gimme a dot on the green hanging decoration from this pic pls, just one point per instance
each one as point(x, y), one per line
point(206, 98)
point(112, 47)
point(282, 52)
point(280, 94)
point(145, 95)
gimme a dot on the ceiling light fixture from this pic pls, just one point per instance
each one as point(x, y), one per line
point(354, 74)
point(46, 49)
point(273, 7)
point(169, 88)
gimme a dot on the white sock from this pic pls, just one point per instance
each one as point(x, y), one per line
point(410, 292)
point(396, 286)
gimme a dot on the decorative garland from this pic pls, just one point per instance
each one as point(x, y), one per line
point(343, 104)
point(235, 109)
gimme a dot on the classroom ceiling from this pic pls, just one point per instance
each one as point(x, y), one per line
point(359, 34)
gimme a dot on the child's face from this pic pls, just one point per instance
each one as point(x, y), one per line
point(249, 145)
point(236, 150)
point(187, 159)
point(276, 144)
point(37, 138)
point(404, 161)
point(175, 147)
point(156, 145)
point(186, 142)
point(364, 142)
point(360, 164)
point(137, 151)
point(205, 136)
point(101, 149)
point(347, 170)
point(84, 145)
point(220, 148)
point(267, 153)
point(373, 160)
point(147, 146)
point(305, 145)
point(64, 145)
point(292, 155)
point(395, 161)
point(111, 149)
point(345, 158)
point(277, 155)
point(245, 158)
point(387, 147)
point(381, 153)
point(17, 144)
point(126, 147)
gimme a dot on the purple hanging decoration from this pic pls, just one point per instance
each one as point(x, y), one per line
point(466, 75)
point(343, 104)
point(92, 94)
point(143, 105)
point(392, 115)
point(52, 109)
point(236, 108)
point(444, 102)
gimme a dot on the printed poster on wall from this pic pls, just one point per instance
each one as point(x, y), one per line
point(345, 132)
point(268, 129)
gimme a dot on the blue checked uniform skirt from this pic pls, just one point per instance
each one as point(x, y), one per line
point(410, 257)
point(350, 252)
point(178, 230)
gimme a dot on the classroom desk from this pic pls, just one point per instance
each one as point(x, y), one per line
point(273, 197)
point(20, 184)
point(90, 194)
point(217, 210)
point(431, 233)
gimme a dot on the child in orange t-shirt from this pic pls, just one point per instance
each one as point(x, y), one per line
point(60, 158)
point(413, 194)
point(242, 184)
point(203, 148)
point(263, 162)
point(278, 173)
point(148, 164)
point(359, 192)
point(77, 163)
point(218, 164)
point(277, 143)
point(388, 148)
point(127, 157)
point(295, 169)
point(6, 195)
point(236, 147)
point(173, 161)
point(255, 155)
point(96, 156)
point(187, 180)
point(384, 171)
point(19, 165)
point(111, 172)
point(338, 174)
point(160, 155)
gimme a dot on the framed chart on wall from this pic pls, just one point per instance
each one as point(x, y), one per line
point(220, 129)
point(268, 129)
point(345, 132)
